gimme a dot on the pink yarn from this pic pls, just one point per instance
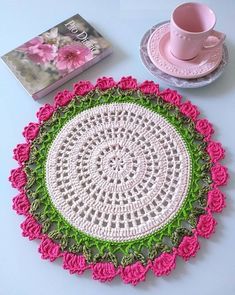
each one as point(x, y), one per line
point(18, 178)
point(128, 83)
point(31, 228)
point(133, 274)
point(204, 127)
point(206, 225)
point(216, 151)
point(164, 264)
point(149, 87)
point(74, 263)
point(189, 110)
point(188, 247)
point(49, 249)
point(103, 271)
point(219, 174)
point(21, 204)
point(31, 131)
point(105, 83)
point(82, 88)
point(171, 96)
point(21, 152)
point(62, 98)
point(45, 112)
point(216, 200)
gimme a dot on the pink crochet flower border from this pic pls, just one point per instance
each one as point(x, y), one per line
point(106, 271)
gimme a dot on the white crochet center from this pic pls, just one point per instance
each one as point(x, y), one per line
point(118, 172)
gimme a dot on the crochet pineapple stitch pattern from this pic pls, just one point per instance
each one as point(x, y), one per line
point(118, 178)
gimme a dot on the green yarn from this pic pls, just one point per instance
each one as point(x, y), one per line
point(75, 241)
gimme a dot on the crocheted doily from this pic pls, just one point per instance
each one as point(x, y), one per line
point(118, 178)
point(118, 172)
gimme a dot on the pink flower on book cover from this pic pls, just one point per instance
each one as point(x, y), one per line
point(204, 127)
point(164, 264)
point(33, 42)
point(105, 83)
point(127, 83)
point(149, 87)
point(133, 274)
point(70, 57)
point(62, 98)
point(82, 88)
point(219, 174)
point(189, 110)
point(74, 263)
point(38, 52)
point(31, 131)
point(206, 225)
point(45, 112)
point(216, 151)
point(21, 152)
point(171, 96)
point(18, 178)
point(21, 204)
point(49, 249)
point(188, 247)
point(31, 228)
point(104, 271)
point(216, 200)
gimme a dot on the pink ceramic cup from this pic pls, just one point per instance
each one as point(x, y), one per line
point(191, 30)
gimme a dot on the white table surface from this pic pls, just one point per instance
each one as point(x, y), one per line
point(123, 23)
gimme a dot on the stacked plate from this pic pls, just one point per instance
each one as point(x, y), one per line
point(197, 72)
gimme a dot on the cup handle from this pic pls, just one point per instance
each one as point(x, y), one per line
point(220, 36)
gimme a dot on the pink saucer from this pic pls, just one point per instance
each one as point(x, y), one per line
point(161, 56)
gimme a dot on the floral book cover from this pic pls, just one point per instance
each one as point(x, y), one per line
point(57, 55)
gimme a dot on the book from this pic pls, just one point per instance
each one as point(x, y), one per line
point(47, 61)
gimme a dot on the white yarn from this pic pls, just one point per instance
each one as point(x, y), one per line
point(118, 172)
